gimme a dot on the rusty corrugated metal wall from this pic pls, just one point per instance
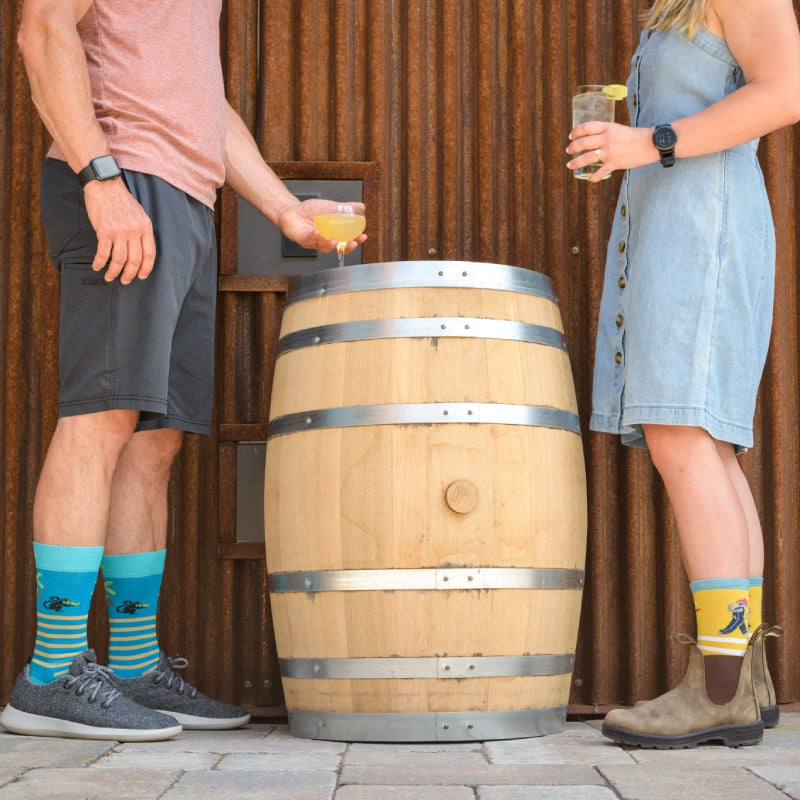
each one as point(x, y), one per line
point(457, 111)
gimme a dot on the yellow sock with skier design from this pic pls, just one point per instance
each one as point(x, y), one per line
point(754, 617)
point(721, 606)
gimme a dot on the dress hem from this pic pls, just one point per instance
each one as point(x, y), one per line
point(629, 425)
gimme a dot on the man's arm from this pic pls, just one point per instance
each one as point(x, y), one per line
point(61, 91)
point(251, 177)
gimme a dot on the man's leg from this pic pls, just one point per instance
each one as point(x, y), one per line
point(73, 498)
point(133, 564)
point(132, 572)
point(64, 692)
point(70, 514)
point(137, 521)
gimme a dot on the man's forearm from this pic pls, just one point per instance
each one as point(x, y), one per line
point(251, 177)
point(59, 78)
point(247, 173)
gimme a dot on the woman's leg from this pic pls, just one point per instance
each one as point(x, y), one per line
point(712, 521)
point(707, 489)
point(716, 701)
point(755, 535)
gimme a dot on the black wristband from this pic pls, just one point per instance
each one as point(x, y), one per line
point(102, 168)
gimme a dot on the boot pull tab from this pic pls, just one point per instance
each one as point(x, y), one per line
point(775, 631)
point(764, 630)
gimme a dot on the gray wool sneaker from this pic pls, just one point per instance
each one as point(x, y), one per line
point(163, 690)
point(85, 704)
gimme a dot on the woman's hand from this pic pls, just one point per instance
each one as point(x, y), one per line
point(615, 146)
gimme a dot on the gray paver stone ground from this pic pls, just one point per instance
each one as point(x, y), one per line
point(689, 782)
point(87, 784)
point(253, 785)
point(785, 777)
point(545, 793)
point(41, 751)
point(7, 774)
point(405, 793)
point(281, 762)
point(488, 775)
point(181, 762)
point(264, 761)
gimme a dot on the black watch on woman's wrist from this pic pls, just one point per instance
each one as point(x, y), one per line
point(664, 138)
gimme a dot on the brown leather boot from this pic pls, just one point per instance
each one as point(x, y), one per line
point(685, 717)
point(762, 682)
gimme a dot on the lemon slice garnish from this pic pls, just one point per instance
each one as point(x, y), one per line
point(616, 91)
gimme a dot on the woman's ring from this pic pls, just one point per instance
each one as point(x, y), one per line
point(599, 154)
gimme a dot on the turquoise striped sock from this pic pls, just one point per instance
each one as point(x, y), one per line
point(65, 581)
point(133, 583)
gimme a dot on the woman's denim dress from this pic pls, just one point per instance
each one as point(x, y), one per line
point(687, 299)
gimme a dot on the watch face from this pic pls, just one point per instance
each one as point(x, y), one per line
point(105, 168)
point(665, 137)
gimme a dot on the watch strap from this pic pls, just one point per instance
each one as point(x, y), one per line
point(86, 174)
point(666, 153)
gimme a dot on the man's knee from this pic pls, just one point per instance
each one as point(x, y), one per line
point(104, 434)
point(156, 449)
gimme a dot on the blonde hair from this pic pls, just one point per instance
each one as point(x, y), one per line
point(685, 16)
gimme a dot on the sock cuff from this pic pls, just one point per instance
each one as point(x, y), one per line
point(134, 565)
point(60, 558)
point(756, 580)
point(739, 584)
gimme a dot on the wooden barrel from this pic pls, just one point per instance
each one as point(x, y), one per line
point(425, 504)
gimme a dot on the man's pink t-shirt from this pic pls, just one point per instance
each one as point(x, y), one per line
point(156, 79)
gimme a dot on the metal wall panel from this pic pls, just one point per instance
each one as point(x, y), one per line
point(28, 346)
point(463, 105)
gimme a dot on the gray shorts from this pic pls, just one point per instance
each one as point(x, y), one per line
point(148, 346)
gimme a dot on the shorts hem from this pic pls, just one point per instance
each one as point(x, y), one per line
point(153, 413)
point(74, 408)
point(178, 423)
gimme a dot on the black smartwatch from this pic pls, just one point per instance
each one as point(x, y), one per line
point(102, 168)
point(664, 138)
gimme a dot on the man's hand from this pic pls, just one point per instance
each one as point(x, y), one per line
point(253, 179)
point(126, 247)
point(297, 223)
